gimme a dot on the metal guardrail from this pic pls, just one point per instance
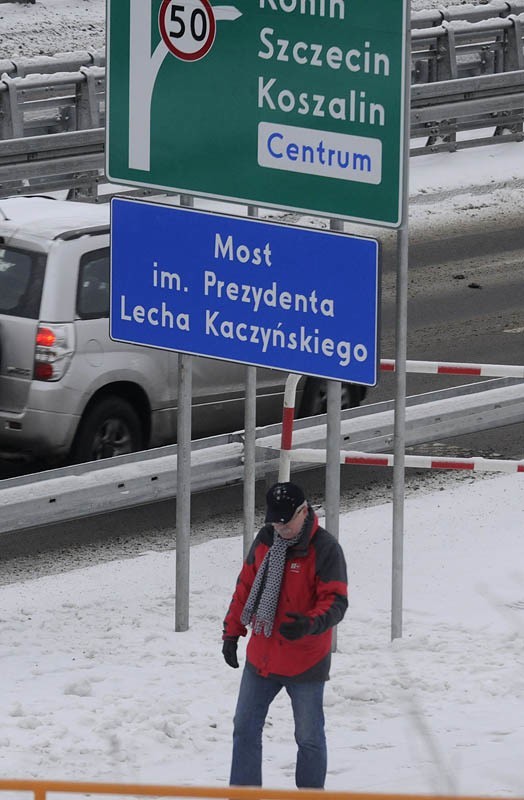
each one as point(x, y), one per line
point(41, 789)
point(461, 49)
point(46, 65)
point(445, 116)
point(53, 156)
point(141, 478)
point(471, 13)
point(429, 417)
point(487, 109)
point(38, 104)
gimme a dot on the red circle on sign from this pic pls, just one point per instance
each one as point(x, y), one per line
point(177, 51)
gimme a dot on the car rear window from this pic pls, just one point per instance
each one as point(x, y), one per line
point(21, 281)
point(93, 285)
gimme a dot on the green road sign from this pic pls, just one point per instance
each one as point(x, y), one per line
point(293, 104)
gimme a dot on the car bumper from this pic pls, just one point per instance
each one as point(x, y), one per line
point(37, 433)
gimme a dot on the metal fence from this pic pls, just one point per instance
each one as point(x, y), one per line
point(126, 481)
point(455, 49)
point(467, 112)
point(471, 13)
point(56, 102)
point(41, 789)
point(445, 116)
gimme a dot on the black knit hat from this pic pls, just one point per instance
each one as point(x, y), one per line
point(282, 501)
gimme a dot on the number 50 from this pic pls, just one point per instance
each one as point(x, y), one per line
point(187, 27)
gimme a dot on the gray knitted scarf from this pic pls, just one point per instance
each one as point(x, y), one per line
point(261, 605)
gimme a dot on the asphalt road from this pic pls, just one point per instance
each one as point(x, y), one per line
point(466, 304)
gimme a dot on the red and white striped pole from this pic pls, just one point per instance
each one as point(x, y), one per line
point(318, 456)
point(388, 365)
point(455, 368)
point(288, 418)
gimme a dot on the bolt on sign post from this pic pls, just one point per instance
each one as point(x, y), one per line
point(292, 104)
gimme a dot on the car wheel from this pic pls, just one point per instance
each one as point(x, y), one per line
point(109, 428)
point(314, 400)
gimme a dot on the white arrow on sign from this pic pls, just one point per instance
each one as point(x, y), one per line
point(143, 71)
point(229, 13)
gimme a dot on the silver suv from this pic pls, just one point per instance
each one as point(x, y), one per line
point(67, 389)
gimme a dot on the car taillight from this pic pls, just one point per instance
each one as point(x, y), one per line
point(43, 372)
point(54, 347)
point(45, 337)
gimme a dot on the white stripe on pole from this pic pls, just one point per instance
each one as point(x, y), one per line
point(288, 418)
point(311, 455)
point(455, 368)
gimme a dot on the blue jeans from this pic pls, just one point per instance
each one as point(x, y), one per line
point(254, 698)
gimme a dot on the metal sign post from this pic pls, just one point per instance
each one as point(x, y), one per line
point(332, 490)
point(183, 493)
point(401, 355)
point(250, 424)
point(332, 473)
point(183, 478)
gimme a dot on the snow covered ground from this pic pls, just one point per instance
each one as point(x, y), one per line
point(97, 685)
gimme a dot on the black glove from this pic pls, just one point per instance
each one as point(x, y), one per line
point(229, 651)
point(297, 629)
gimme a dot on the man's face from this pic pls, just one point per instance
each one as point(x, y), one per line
point(288, 530)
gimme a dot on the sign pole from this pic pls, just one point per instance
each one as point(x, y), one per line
point(183, 477)
point(401, 355)
point(332, 479)
point(332, 474)
point(250, 424)
point(183, 493)
point(332, 487)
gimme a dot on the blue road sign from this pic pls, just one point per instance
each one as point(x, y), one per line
point(245, 290)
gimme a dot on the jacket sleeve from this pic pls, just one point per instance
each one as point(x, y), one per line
point(232, 624)
point(331, 600)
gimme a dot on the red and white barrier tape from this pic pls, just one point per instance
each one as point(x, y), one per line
point(314, 456)
point(389, 365)
point(452, 368)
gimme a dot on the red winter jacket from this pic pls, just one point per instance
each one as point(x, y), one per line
point(315, 584)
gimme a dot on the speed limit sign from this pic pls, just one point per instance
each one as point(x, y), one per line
point(187, 27)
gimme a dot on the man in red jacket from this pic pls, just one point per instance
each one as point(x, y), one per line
point(291, 591)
